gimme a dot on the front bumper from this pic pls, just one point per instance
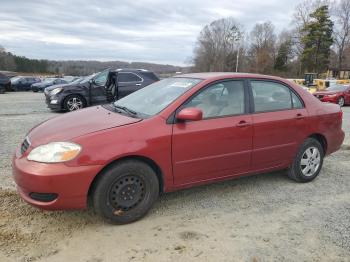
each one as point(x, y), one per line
point(71, 184)
point(53, 102)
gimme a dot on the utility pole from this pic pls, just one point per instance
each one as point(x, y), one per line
point(237, 58)
point(235, 36)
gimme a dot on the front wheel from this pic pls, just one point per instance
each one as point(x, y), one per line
point(125, 192)
point(341, 101)
point(74, 102)
point(308, 161)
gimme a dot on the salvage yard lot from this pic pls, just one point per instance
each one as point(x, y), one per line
point(258, 218)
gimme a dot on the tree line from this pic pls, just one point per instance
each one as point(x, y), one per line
point(11, 62)
point(318, 39)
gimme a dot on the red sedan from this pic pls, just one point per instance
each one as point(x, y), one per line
point(338, 94)
point(177, 133)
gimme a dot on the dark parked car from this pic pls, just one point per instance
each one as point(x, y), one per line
point(100, 88)
point(46, 83)
point(5, 83)
point(337, 94)
point(23, 83)
point(177, 133)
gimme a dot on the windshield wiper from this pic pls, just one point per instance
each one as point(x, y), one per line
point(127, 110)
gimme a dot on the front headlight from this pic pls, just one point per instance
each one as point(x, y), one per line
point(54, 152)
point(56, 91)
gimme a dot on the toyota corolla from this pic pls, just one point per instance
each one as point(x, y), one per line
point(176, 133)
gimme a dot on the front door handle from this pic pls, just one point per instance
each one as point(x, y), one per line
point(138, 84)
point(243, 123)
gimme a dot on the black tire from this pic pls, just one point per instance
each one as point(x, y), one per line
point(68, 107)
point(341, 101)
point(125, 192)
point(297, 169)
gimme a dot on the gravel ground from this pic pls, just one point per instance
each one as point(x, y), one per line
point(259, 218)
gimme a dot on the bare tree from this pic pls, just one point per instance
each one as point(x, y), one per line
point(342, 30)
point(217, 45)
point(262, 48)
point(7, 61)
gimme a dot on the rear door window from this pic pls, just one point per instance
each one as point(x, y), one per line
point(128, 77)
point(272, 96)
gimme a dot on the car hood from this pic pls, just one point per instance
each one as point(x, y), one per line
point(78, 123)
point(41, 84)
point(50, 88)
point(326, 92)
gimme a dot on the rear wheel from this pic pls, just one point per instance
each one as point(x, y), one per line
point(125, 192)
point(341, 101)
point(74, 102)
point(308, 161)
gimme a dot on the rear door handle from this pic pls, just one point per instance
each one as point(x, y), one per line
point(299, 116)
point(243, 123)
point(138, 84)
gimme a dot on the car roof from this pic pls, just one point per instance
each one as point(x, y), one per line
point(130, 70)
point(223, 75)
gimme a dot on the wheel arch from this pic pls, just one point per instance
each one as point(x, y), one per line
point(322, 140)
point(143, 159)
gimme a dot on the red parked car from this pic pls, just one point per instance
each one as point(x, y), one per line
point(177, 133)
point(338, 94)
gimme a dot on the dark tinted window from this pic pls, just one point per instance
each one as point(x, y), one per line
point(150, 75)
point(271, 96)
point(128, 77)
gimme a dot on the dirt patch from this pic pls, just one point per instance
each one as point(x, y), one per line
point(31, 233)
point(345, 147)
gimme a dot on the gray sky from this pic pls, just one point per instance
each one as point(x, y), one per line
point(144, 30)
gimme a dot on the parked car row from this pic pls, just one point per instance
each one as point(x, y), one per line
point(27, 83)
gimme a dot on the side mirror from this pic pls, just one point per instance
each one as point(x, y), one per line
point(91, 81)
point(190, 114)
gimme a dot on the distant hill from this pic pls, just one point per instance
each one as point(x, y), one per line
point(11, 62)
point(88, 67)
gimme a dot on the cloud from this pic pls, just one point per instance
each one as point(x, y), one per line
point(148, 30)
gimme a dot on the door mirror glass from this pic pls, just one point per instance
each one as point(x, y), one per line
point(190, 114)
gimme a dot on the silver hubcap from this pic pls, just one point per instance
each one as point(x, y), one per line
point(74, 103)
point(341, 101)
point(310, 161)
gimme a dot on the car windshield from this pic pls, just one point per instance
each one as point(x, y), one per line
point(87, 78)
point(77, 81)
point(152, 99)
point(15, 79)
point(337, 88)
point(48, 80)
